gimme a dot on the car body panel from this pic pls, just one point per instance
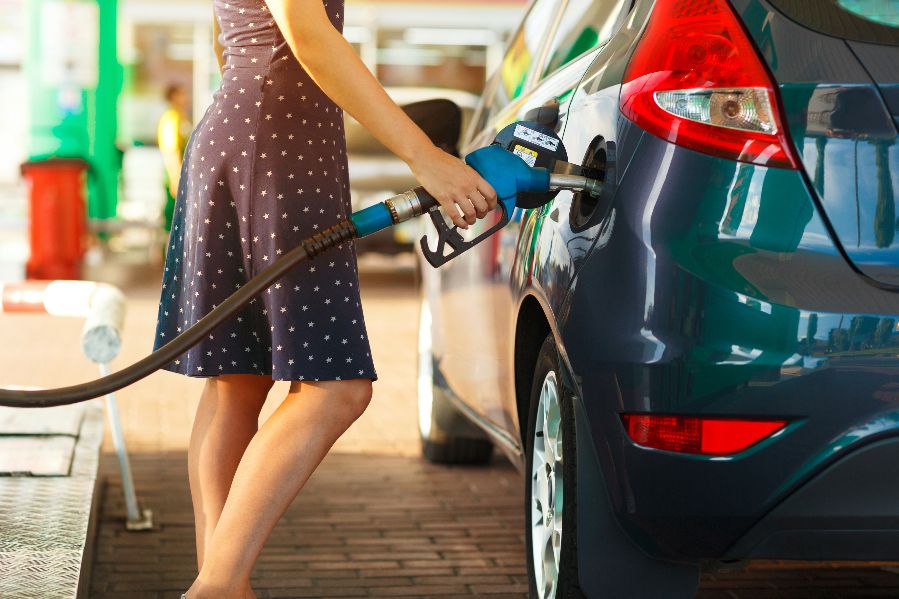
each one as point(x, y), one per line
point(832, 92)
point(524, 259)
point(852, 496)
point(884, 70)
point(478, 371)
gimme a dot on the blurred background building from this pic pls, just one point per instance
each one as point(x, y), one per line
point(418, 50)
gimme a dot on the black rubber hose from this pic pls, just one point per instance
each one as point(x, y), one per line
point(308, 248)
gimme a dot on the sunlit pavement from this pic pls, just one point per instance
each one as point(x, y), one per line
point(374, 520)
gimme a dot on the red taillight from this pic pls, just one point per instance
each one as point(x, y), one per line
point(696, 80)
point(692, 434)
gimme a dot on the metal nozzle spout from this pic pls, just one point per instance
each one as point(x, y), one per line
point(575, 183)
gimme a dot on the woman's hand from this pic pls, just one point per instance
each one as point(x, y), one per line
point(455, 185)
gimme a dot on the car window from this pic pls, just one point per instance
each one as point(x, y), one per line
point(482, 111)
point(522, 54)
point(585, 24)
point(873, 21)
point(879, 11)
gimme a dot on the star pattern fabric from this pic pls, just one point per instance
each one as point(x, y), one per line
point(265, 168)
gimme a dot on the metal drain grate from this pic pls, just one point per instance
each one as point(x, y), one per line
point(44, 521)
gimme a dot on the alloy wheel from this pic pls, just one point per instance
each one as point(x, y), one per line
point(546, 490)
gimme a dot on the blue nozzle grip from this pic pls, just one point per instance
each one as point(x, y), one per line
point(508, 173)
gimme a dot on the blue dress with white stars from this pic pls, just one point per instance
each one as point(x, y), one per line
point(264, 168)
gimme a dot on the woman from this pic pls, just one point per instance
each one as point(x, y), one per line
point(265, 168)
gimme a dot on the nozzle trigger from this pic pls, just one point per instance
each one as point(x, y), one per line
point(449, 238)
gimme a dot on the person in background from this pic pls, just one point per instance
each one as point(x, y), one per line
point(172, 133)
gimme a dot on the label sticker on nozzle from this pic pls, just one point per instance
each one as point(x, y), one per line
point(526, 154)
point(535, 137)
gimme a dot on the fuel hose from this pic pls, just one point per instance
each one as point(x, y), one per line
point(361, 223)
point(507, 173)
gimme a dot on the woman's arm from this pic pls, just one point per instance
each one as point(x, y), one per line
point(216, 44)
point(333, 64)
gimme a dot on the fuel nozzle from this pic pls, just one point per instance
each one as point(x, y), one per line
point(511, 176)
point(513, 172)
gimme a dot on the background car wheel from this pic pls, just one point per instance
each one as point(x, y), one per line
point(447, 436)
point(550, 488)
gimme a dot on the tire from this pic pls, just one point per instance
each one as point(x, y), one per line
point(614, 566)
point(447, 435)
point(551, 540)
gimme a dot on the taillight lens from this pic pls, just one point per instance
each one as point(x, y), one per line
point(696, 80)
point(692, 434)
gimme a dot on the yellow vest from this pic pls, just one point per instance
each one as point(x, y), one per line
point(172, 132)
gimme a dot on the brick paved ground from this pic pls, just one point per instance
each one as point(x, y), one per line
point(370, 525)
point(374, 520)
point(365, 526)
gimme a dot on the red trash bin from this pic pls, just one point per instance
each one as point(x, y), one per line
point(58, 217)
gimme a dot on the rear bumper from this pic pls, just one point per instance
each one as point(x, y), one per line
point(679, 506)
point(849, 510)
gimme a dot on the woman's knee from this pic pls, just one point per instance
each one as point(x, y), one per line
point(355, 395)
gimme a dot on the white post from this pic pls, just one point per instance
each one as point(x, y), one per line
point(137, 519)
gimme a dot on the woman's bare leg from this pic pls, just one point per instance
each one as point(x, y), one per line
point(227, 418)
point(276, 464)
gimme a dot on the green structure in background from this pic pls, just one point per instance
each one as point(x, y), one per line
point(74, 82)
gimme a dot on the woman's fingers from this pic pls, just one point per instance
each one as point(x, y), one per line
point(483, 187)
point(463, 194)
point(479, 203)
point(473, 206)
point(487, 191)
point(467, 209)
point(458, 219)
point(450, 210)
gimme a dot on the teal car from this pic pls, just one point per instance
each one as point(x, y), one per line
point(701, 364)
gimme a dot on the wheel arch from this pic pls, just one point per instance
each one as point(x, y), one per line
point(532, 325)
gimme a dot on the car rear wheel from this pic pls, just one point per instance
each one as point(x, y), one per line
point(447, 435)
point(550, 506)
point(614, 566)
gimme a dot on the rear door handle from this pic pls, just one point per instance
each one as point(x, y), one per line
point(546, 115)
